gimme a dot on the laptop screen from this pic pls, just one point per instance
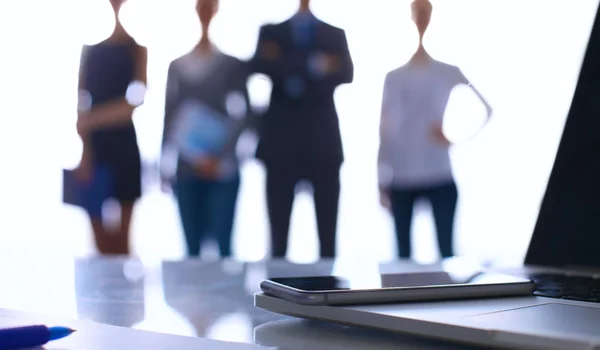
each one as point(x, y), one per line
point(567, 232)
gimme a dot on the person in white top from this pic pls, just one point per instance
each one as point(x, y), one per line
point(414, 160)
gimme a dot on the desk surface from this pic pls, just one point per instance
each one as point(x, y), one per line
point(191, 298)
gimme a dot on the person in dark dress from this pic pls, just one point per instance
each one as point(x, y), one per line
point(112, 81)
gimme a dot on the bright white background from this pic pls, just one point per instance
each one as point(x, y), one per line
point(524, 56)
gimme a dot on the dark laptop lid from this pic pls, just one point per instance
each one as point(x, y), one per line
point(567, 232)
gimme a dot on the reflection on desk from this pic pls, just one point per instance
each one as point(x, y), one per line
point(189, 297)
point(211, 297)
point(295, 334)
point(110, 291)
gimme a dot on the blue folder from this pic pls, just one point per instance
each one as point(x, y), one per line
point(200, 130)
point(89, 195)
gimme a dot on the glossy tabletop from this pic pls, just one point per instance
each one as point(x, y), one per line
point(189, 297)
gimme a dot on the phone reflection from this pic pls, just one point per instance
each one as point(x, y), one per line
point(418, 279)
point(315, 283)
point(494, 278)
point(211, 296)
point(296, 334)
point(110, 291)
point(284, 268)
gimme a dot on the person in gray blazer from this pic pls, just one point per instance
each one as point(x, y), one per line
point(206, 185)
point(299, 136)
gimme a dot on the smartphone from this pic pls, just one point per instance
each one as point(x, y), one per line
point(395, 288)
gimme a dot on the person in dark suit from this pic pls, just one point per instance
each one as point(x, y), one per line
point(299, 136)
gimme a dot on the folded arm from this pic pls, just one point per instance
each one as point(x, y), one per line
point(270, 59)
point(120, 110)
point(341, 69)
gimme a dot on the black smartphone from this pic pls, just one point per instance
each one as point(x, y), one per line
point(395, 288)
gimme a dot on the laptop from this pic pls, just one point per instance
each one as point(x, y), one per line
point(563, 256)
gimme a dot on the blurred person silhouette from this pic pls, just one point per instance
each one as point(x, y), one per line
point(299, 136)
point(112, 80)
point(206, 109)
point(206, 293)
point(414, 160)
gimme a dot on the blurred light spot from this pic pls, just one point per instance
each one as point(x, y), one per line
point(133, 270)
point(235, 104)
point(232, 267)
point(259, 89)
point(136, 92)
point(111, 213)
point(235, 327)
point(304, 187)
point(246, 145)
point(210, 250)
point(168, 160)
point(317, 64)
point(84, 100)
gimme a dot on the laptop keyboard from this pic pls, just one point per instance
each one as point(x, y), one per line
point(567, 287)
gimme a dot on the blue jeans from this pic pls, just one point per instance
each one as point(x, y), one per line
point(443, 199)
point(207, 207)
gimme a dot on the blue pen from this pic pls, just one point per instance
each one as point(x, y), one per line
point(30, 336)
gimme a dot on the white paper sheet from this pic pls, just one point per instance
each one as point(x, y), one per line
point(95, 336)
